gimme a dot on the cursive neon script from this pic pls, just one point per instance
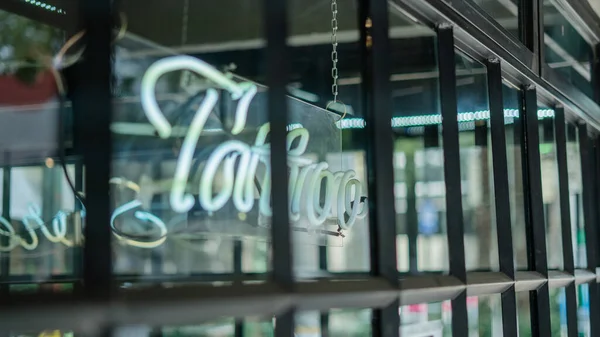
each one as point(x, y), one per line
point(342, 192)
point(31, 222)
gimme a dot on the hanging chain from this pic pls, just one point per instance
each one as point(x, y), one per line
point(186, 76)
point(334, 53)
point(185, 22)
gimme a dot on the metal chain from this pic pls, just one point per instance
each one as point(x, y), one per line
point(184, 22)
point(334, 53)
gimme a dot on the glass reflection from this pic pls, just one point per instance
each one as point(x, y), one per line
point(523, 314)
point(504, 12)
point(550, 195)
point(419, 187)
point(583, 310)
point(576, 196)
point(566, 51)
point(485, 316)
point(428, 319)
point(558, 312)
point(326, 83)
point(189, 112)
point(481, 245)
point(42, 229)
point(513, 127)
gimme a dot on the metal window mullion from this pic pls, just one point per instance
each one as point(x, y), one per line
point(93, 109)
point(377, 108)
point(565, 218)
point(595, 203)
point(275, 28)
point(530, 26)
point(596, 73)
point(534, 212)
point(275, 14)
point(502, 194)
point(454, 210)
point(377, 105)
point(587, 182)
point(5, 240)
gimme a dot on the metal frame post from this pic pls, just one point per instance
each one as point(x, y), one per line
point(502, 194)
point(565, 218)
point(534, 211)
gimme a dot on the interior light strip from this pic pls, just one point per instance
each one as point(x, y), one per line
point(48, 7)
point(398, 122)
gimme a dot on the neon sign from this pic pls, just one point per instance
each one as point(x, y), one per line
point(341, 198)
point(32, 222)
point(343, 192)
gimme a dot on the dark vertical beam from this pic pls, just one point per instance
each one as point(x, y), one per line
point(534, 211)
point(92, 110)
point(5, 256)
point(531, 29)
point(454, 209)
point(275, 14)
point(565, 218)
point(285, 324)
point(596, 203)
point(325, 324)
point(239, 328)
point(502, 194)
point(412, 218)
point(377, 108)
point(587, 182)
point(596, 73)
point(376, 105)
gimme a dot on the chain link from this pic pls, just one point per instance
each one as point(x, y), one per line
point(334, 53)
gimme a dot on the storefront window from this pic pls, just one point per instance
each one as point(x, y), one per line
point(550, 195)
point(191, 185)
point(524, 314)
point(513, 127)
point(328, 174)
point(418, 156)
point(485, 316)
point(576, 196)
point(583, 310)
point(41, 222)
point(428, 319)
point(481, 245)
point(558, 312)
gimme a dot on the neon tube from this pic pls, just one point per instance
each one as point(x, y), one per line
point(342, 188)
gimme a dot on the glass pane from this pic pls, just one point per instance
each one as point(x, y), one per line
point(419, 186)
point(38, 193)
point(326, 155)
point(566, 50)
point(583, 310)
point(41, 228)
point(558, 312)
point(349, 322)
point(505, 12)
point(190, 166)
point(515, 174)
point(576, 197)
point(481, 245)
point(485, 316)
point(549, 168)
point(426, 319)
point(523, 314)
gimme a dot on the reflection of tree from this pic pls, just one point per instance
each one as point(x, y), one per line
point(23, 43)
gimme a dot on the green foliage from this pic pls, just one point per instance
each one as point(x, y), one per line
point(23, 45)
